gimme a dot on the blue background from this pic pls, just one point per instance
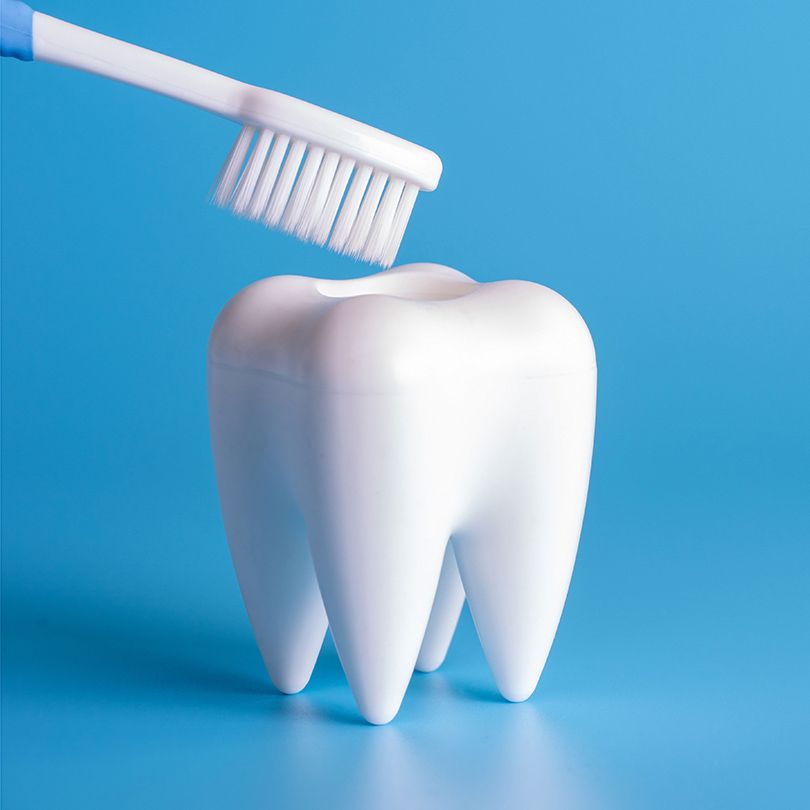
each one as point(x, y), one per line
point(651, 162)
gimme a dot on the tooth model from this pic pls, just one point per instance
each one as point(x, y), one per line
point(388, 445)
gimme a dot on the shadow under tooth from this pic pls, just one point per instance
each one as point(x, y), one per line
point(303, 185)
point(229, 173)
point(268, 177)
point(403, 214)
point(381, 226)
point(359, 234)
point(281, 193)
point(247, 183)
point(321, 230)
point(351, 205)
point(317, 197)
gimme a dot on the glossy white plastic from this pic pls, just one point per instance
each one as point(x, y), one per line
point(379, 442)
point(313, 173)
point(63, 43)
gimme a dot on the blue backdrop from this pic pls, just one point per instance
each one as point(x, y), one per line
point(651, 162)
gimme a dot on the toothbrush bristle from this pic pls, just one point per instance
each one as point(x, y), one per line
point(321, 197)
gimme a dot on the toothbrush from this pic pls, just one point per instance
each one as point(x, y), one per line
point(320, 176)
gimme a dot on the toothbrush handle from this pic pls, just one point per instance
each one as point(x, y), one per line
point(30, 35)
point(49, 39)
point(15, 30)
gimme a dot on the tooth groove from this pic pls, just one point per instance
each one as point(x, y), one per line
point(443, 616)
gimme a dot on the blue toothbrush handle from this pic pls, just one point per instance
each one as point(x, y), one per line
point(16, 21)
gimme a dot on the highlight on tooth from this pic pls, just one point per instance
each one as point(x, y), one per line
point(391, 446)
point(316, 195)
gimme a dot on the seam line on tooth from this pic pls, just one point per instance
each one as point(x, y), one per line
point(278, 377)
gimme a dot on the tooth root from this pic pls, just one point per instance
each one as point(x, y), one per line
point(443, 617)
point(265, 532)
point(516, 561)
point(378, 531)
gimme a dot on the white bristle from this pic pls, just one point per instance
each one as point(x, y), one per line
point(250, 176)
point(381, 225)
point(397, 231)
point(359, 234)
point(317, 197)
point(351, 205)
point(229, 173)
point(268, 177)
point(344, 171)
point(284, 184)
point(300, 193)
point(306, 190)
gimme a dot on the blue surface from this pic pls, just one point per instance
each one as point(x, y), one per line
point(651, 161)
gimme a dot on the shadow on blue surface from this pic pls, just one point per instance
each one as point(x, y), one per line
point(139, 685)
point(101, 691)
point(112, 651)
point(131, 679)
point(101, 646)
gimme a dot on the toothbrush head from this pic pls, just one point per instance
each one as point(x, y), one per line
point(323, 177)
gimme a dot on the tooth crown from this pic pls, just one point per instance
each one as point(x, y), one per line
point(418, 324)
point(389, 446)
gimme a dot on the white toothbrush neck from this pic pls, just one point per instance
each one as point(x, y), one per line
point(62, 43)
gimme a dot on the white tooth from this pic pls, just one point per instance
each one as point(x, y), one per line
point(517, 557)
point(250, 423)
point(394, 412)
point(378, 528)
point(443, 617)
